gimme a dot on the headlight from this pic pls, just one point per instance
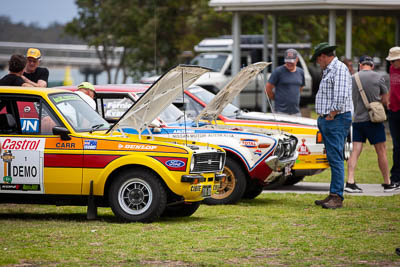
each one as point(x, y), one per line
point(221, 161)
point(192, 163)
point(279, 150)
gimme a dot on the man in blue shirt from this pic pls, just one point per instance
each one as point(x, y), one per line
point(288, 81)
point(334, 105)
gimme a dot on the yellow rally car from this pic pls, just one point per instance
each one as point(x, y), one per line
point(55, 149)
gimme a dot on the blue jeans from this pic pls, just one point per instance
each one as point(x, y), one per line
point(334, 133)
point(394, 126)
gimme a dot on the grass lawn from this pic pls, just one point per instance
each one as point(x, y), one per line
point(273, 229)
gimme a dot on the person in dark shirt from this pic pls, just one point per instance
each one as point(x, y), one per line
point(34, 75)
point(16, 66)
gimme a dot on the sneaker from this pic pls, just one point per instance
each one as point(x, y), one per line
point(334, 202)
point(390, 187)
point(352, 188)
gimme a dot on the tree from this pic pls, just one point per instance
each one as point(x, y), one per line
point(109, 26)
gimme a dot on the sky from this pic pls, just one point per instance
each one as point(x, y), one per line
point(40, 12)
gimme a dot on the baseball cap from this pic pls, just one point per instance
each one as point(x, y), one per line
point(86, 85)
point(290, 55)
point(366, 60)
point(33, 52)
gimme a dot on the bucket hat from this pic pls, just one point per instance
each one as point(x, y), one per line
point(86, 85)
point(322, 48)
point(394, 53)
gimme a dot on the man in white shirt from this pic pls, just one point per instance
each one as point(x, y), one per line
point(87, 92)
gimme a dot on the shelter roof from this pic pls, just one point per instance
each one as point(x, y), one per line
point(364, 7)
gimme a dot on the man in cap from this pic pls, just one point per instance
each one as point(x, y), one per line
point(375, 89)
point(394, 111)
point(333, 103)
point(34, 75)
point(87, 92)
point(288, 81)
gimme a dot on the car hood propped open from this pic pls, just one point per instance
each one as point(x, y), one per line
point(230, 91)
point(159, 96)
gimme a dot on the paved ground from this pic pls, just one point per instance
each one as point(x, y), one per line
point(323, 188)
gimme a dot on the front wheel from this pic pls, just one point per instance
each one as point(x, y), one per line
point(181, 210)
point(137, 196)
point(253, 189)
point(232, 190)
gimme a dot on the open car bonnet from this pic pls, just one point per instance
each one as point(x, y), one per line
point(230, 91)
point(159, 96)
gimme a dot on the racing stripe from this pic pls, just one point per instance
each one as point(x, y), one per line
point(78, 161)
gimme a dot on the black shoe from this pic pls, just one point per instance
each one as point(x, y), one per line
point(398, 251)
point(352, 188)
point(390, 187)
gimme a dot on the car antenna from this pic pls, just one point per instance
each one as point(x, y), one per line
point(272, 110)
point(184, 109)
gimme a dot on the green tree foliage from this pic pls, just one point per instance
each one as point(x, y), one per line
point(152, 36)
point(110, 27)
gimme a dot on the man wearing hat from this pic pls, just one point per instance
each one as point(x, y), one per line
point(394, 111)
point(288, 81)
point(333, 103)
point(87, 92)
point(34, 75)
point(373, 85)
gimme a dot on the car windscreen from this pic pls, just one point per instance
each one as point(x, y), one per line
point(211, 61)
point(78, 113)
point(172, 114)
point(229, 111)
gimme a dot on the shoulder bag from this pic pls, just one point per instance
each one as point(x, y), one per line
point(376, 110)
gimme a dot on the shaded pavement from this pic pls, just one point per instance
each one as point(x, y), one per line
point(323, 188)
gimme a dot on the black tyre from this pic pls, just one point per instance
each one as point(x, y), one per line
point(291, 179)
point(232, 190)
point(137, 196)
point(253, 189)
point(278, 182)
point(181, 210)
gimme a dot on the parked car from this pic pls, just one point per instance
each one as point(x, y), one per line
point(198, 103)
point(69, 155)
point(255, 159)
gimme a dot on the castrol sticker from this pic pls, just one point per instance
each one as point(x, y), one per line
point(21, 165)
point(15, 143)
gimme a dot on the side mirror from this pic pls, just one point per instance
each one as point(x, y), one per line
point(62, 132)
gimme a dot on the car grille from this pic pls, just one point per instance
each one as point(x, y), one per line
point(208, 162)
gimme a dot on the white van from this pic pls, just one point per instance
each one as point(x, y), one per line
point(215, 53)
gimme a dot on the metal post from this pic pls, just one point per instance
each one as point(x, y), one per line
point(349, 23)
point(236, 49)
point(274, 42)
point(265, 59)
point(332, 27)
point(397, 34)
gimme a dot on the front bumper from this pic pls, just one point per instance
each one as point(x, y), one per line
point(201, 186)
point(279, 167)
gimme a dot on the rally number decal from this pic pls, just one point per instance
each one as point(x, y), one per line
point(21, 165)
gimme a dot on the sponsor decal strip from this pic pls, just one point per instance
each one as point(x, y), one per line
point(78, 161)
